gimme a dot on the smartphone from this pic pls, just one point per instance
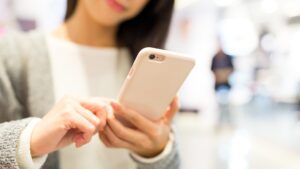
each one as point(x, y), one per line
point(154, 80)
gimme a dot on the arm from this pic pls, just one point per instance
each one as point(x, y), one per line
point(10, 109)
point(69, 121)
point(24, 158)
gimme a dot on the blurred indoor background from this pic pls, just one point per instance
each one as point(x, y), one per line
point(251, 120)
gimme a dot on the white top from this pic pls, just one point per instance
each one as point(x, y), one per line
point(84, 71)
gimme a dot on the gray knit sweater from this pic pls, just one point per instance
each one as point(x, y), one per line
point(26, 90)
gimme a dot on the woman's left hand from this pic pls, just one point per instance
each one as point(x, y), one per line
point(148, 139)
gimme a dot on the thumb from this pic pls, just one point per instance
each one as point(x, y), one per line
point(171, 111)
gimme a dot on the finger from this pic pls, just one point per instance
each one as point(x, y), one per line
point(125, 133)
point(79, 140)
point(172, 110)
point(94, 104)
point(68, 138)
point(104, 138)
point(139, 121)
point(91, 117)
point(84, 126)
point(115, 141)
point(98, 107)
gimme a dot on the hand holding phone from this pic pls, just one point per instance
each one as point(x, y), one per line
point(153, 81)
point(141, 120)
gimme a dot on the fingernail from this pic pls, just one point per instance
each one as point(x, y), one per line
point(115, 105)
point(110, 114)
point(108, 109)
point(99, 122)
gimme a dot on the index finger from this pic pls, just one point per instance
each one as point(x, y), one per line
point(99, 107)
point(171, 111)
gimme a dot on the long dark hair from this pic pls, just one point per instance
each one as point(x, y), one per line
point(148, 29)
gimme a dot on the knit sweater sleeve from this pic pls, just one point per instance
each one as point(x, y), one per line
point(9, 137)
point(19, 53)
point(19, 56)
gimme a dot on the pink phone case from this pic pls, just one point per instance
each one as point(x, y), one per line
point(152, 83)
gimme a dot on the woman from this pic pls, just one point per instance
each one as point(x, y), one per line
point(88, 55)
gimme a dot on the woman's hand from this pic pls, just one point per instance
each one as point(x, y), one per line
point(70, 120)
point(147, 139)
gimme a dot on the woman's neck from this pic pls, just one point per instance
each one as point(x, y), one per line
point(82, 29)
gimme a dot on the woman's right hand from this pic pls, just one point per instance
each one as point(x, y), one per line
point(70, 120)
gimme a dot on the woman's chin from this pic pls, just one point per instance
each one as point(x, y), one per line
point(109, 23)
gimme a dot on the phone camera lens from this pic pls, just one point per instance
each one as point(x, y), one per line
point(152, 56)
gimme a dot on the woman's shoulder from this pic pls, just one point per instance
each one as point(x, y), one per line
point(20, 36)
point(17, 43)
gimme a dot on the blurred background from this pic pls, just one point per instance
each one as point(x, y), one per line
point(240, 106)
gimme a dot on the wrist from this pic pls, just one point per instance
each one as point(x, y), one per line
point(165, 152)
point(149, 154)
point(34, 150)
point(155, 151)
